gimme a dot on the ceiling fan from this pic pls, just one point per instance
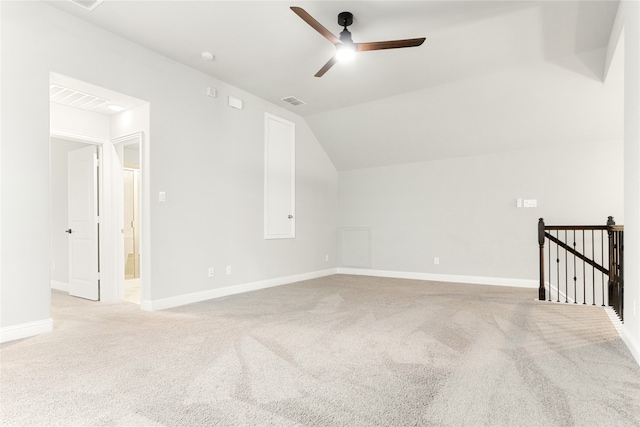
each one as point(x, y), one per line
point(345, 47)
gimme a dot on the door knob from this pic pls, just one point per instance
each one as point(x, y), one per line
point(68, 231)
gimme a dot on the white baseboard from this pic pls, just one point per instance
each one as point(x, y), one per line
point(25, 330)
point(164, 303)
point(476, 280)
point(633, 345)
point(60, 286)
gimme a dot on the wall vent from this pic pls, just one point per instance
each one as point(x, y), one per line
point(293, 101)
point(74, 98)
point(87, 4)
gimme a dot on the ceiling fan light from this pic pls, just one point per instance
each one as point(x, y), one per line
point(345, 52)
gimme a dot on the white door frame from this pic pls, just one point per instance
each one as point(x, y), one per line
point(110, 187)
point(118, 194)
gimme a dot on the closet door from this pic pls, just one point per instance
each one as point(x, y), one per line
point(279, 178)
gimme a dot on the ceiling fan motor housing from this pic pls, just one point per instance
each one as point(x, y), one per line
point(345, 19)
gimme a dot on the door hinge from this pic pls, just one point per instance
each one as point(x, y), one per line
point(96, 162)
point(98, 220)
point(98, 275)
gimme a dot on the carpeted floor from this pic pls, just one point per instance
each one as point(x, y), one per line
point(334, 351)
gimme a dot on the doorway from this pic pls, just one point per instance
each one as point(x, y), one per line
point(73, 126)
point(75, 204)
point(128, 149)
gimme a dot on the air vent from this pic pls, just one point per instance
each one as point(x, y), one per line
point(87, 4)
point(293, 101)
point(74, 98)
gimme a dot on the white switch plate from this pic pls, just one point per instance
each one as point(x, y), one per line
point(530, 203)
point(162, 197)
point(211, 92)
point(519, 203)
point(212, 272)
point(228, 269)
point(436, 260)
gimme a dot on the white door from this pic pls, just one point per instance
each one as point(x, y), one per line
point(83, 223)
point(279, 178)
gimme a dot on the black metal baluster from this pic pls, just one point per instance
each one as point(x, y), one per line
point(584, 272)
point(602, 261)
point(566, 270)
point(593, 279)
point(550, 270)
point(575, 278)
point(558, 264)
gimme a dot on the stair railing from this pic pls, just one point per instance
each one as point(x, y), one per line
point(579, 254)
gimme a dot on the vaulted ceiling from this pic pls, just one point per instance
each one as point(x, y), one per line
point(491, 76)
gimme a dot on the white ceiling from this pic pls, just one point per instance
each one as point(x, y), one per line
point(264, 48)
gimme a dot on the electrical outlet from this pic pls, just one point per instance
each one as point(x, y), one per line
point(212, 272)
point(436, 260)
point(228, 269)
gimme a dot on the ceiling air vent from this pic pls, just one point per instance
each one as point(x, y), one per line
point(74, 98)
point(87, 4)
point(293, 101)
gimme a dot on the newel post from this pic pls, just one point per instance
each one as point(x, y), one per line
point(541, 290)
point(612, 257)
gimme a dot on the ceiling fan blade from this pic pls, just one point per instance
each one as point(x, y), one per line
point(315, 24)
point(391, 44)
point(326, 67)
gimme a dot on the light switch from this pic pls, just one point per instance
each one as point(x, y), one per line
point(162, 196)
point(530, 203)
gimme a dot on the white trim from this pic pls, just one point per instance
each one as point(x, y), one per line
point(77, 137)
point(549, 288)
point(634, 346)
point(130, 139)
point(25, 330)
point(60, 286)
point(631, 344)
point(164, 303)
point(476, 280)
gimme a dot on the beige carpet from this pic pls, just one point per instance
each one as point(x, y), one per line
point(335, 351)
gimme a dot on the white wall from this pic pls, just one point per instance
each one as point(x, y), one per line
point(464, 210)
point(628, 21)
point(207, 157)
